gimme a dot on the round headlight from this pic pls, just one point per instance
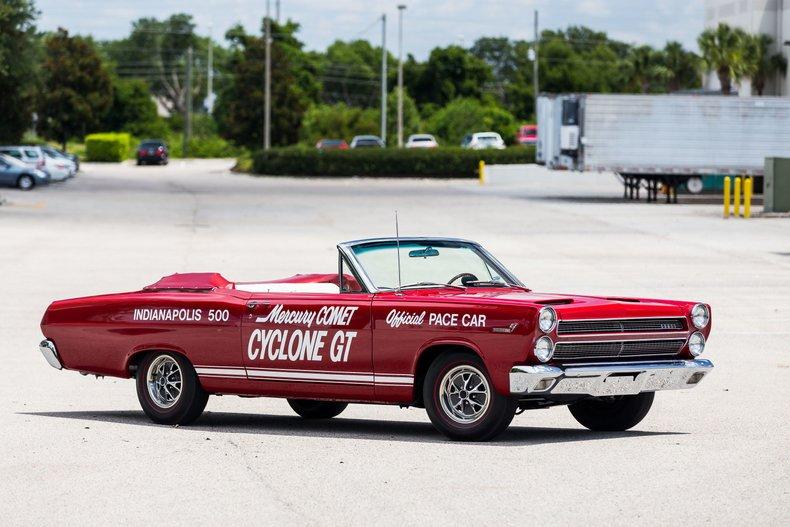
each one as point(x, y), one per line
point(544, 349)
point(547, 319)
point(700, 316)
point(696, 343)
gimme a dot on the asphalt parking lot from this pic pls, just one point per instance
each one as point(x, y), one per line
point(79, 450)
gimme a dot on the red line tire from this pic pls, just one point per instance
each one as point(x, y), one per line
point(612, 414)
point(461, 401)
point(316, 409)
point(169, 390)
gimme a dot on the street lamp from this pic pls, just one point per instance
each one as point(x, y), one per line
point(401, 8)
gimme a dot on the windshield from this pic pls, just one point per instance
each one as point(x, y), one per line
point(428, 264)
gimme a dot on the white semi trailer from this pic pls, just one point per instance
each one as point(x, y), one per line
point(670, 140)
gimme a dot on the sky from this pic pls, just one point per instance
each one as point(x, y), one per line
point(427, 23)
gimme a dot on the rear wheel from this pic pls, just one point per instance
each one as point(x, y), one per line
point(316, 409)
point(460, 400)
point(612, 414)
point(25, 182)
point(169, 390)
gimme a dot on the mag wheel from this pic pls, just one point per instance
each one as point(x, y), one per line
point(460, 399)
point(168, 389)
point(612, 414)
point(316, 409)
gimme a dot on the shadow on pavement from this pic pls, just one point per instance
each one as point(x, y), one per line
point(382, 430)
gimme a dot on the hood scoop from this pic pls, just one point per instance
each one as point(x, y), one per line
point(630, 300)
point(555, 301)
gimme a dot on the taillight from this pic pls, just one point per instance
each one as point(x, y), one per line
point(141, 152)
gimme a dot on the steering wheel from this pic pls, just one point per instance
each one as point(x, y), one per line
point(468, 276)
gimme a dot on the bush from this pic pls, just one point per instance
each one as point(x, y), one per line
point(380, 162)
point(465, 116)
point(113, 147)
point(201, 147)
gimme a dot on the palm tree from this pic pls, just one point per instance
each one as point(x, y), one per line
point(644, 67)
point(722, 51)
point(682, 67)
point(760, 65)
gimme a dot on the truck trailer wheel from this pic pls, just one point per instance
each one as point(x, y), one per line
point(694, 185)
point(612, 414)
point(169, 390)
point(316, 409)
point(461, 401)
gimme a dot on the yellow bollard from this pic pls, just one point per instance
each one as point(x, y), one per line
point(747, 197)
point(481, 171)
point(727, 196)
point(736, 198)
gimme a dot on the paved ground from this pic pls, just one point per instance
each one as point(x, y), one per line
point(79, 451)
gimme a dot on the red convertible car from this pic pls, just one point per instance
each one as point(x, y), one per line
point(430, 322)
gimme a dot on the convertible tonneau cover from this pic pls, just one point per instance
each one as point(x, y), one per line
point(190, 281)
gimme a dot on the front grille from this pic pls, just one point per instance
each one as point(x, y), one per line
point(634, 349)
point(633, 325)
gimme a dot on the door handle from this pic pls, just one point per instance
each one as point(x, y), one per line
point(252, 304)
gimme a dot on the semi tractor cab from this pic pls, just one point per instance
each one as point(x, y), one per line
point(669, 141)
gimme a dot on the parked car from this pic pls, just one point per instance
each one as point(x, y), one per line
point(55, 152)
point(527, 135)
point(152, 151)
point(367, 141)
point(15, 173)
point(436, 323)
point(421, 141)
point(483, 140)
point(332, 144)
point(33, 156)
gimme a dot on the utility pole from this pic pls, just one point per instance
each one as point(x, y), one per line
point(267, 95)
point(210, 73)
point(277, 11)
point(535, 80)
point(401, 7)
point(384, 78)
point(188, 106)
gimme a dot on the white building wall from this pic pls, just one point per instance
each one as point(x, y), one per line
point(771, 17)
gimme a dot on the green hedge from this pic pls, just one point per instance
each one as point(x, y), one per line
point(113, 147)
point(386, 162)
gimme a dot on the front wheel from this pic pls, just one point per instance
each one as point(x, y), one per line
point(612, 414)
point(316, 409)
point(461, 401)
point(26, 182)
point(169, 390)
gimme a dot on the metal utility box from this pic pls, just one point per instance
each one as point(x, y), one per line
point(776, 193)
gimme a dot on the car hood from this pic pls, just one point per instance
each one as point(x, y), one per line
point(568, 306)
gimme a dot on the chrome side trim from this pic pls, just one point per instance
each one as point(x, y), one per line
point(47, 348)
point(609, 378)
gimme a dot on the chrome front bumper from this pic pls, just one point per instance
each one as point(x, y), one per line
point(610, 378)
point(47, 349)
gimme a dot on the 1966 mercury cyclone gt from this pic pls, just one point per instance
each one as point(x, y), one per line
point(430, 322)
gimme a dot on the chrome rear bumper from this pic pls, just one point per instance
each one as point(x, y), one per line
point(47, 349)
point(610, 378)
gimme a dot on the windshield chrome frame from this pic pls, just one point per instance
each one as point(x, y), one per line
point(346, 249)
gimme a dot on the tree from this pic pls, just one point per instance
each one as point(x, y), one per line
point(240, 105)
point(411, 117)
point(156, 51)
point(351, 73)
point(645, 68)
point(18, 45)
point(464, 116)
point(759, 64)
point(337, 121)
point(133, 110)
point(450, 73)
point(682, 67)
point(722, 51)
point(77, 90)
